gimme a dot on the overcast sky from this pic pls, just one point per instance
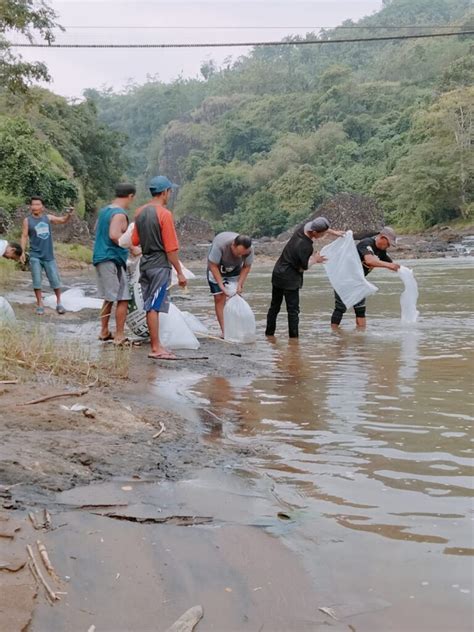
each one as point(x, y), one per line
point(74, 70)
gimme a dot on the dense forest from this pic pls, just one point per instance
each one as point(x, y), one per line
point(259, 143)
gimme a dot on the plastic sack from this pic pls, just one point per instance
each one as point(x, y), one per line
point(7, 315)
point(409, 295)
point(74, 300)
point(187, 273)
point(239, 321)
point(174, 331)
point(345, 272)
point(194, 324)
point(126, 239)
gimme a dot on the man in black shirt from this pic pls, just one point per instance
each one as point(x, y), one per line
point(373, 254)
point(287, 277)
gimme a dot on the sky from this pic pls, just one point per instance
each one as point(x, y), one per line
point(180, 21)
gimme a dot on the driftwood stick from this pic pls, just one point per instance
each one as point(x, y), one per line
point(48, 523)
point(48, 397)
point(49, 591)
point(188, 621)
point(33, 521)
point(160, 431)
point(46, 561)
point(9, 381)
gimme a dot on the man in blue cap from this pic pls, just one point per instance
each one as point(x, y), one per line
point(155, 232)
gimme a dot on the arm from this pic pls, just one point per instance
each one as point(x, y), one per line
point(174, 260)
point(374, 262)
point(118, 226)
point(63, 219)
point(216, 273)
point(242, 278)
point(336, 233)
point(24, 239)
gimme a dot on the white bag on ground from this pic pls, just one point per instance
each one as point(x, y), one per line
point(7, 315)
point(74, 300)
point(239, 321)
point(345, 272)
point(409, 295)
point(174, 331)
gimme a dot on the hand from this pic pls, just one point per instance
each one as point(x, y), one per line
point(338, 233)
point(317, 258)
point(239, 289)
point(394, 266)
point(23, 258)
point(182, 280)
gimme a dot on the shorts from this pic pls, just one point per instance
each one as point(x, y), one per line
point(214, 287)
point(155, 283)
point(112, 283)
point(37, 266)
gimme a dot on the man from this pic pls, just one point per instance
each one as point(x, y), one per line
point(287, 277)
point(10, 250)
point(37, 229)
point(155, 232)
point(110, 261)
point(230, 259)
point(373, 254)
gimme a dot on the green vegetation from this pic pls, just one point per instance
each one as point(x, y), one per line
point(75, 252)
point(258, 144)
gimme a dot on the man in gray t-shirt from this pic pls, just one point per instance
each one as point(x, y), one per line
point(230, 258)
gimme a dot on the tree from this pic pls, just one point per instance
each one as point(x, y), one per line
point(28, 18)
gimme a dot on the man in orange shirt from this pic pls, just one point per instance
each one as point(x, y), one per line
point(155, 232)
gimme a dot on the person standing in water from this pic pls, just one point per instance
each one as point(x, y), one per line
point(373, 254)
point(287, 278)
point(37, 229)
point(229, 260)
point(110, 261)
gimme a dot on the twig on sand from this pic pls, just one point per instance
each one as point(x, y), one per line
point(48, 397)
point(46, 561)
point(212, 337)
point(160, 431)
point(34, 522)
point(9, 381)
point(188, 621)
point(48, 523)
point(37, 571)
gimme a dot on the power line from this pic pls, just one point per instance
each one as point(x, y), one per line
point(219, 28)
point(248, 44)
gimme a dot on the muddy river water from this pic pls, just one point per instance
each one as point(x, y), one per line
point(364, 439)
point(368, 439)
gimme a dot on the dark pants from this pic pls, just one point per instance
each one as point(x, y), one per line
point(292, 299)
point(340, 309)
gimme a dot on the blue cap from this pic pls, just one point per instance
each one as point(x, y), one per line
point(158, 184)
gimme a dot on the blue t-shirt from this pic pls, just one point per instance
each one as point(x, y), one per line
point(104, 248)
point(41, 239)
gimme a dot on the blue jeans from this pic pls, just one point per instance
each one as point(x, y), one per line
point(37, 266)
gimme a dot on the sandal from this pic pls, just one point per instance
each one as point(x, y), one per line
point(106, 338)
point(40, 311)
point(163, 356)
point(60, 309)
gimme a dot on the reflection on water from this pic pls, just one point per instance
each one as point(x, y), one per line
point(370, 434)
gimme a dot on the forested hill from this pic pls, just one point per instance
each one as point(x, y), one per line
point(258, 144)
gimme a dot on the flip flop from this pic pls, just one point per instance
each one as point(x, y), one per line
point(125, 342)
point(60, 309)
point(40, 311)
point(106, 338)
point(163, 356)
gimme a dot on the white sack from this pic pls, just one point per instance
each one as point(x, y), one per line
point(74, 300)
point(187, 273)
point(409, 295)
point(345, 272)
point(239, 321)
point(126, 239)
point(174, 331)
point(7, 315)
point(194, 324)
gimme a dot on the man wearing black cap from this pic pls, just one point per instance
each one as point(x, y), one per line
point(155, 232)
point(287, 277)
point(373, 254)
